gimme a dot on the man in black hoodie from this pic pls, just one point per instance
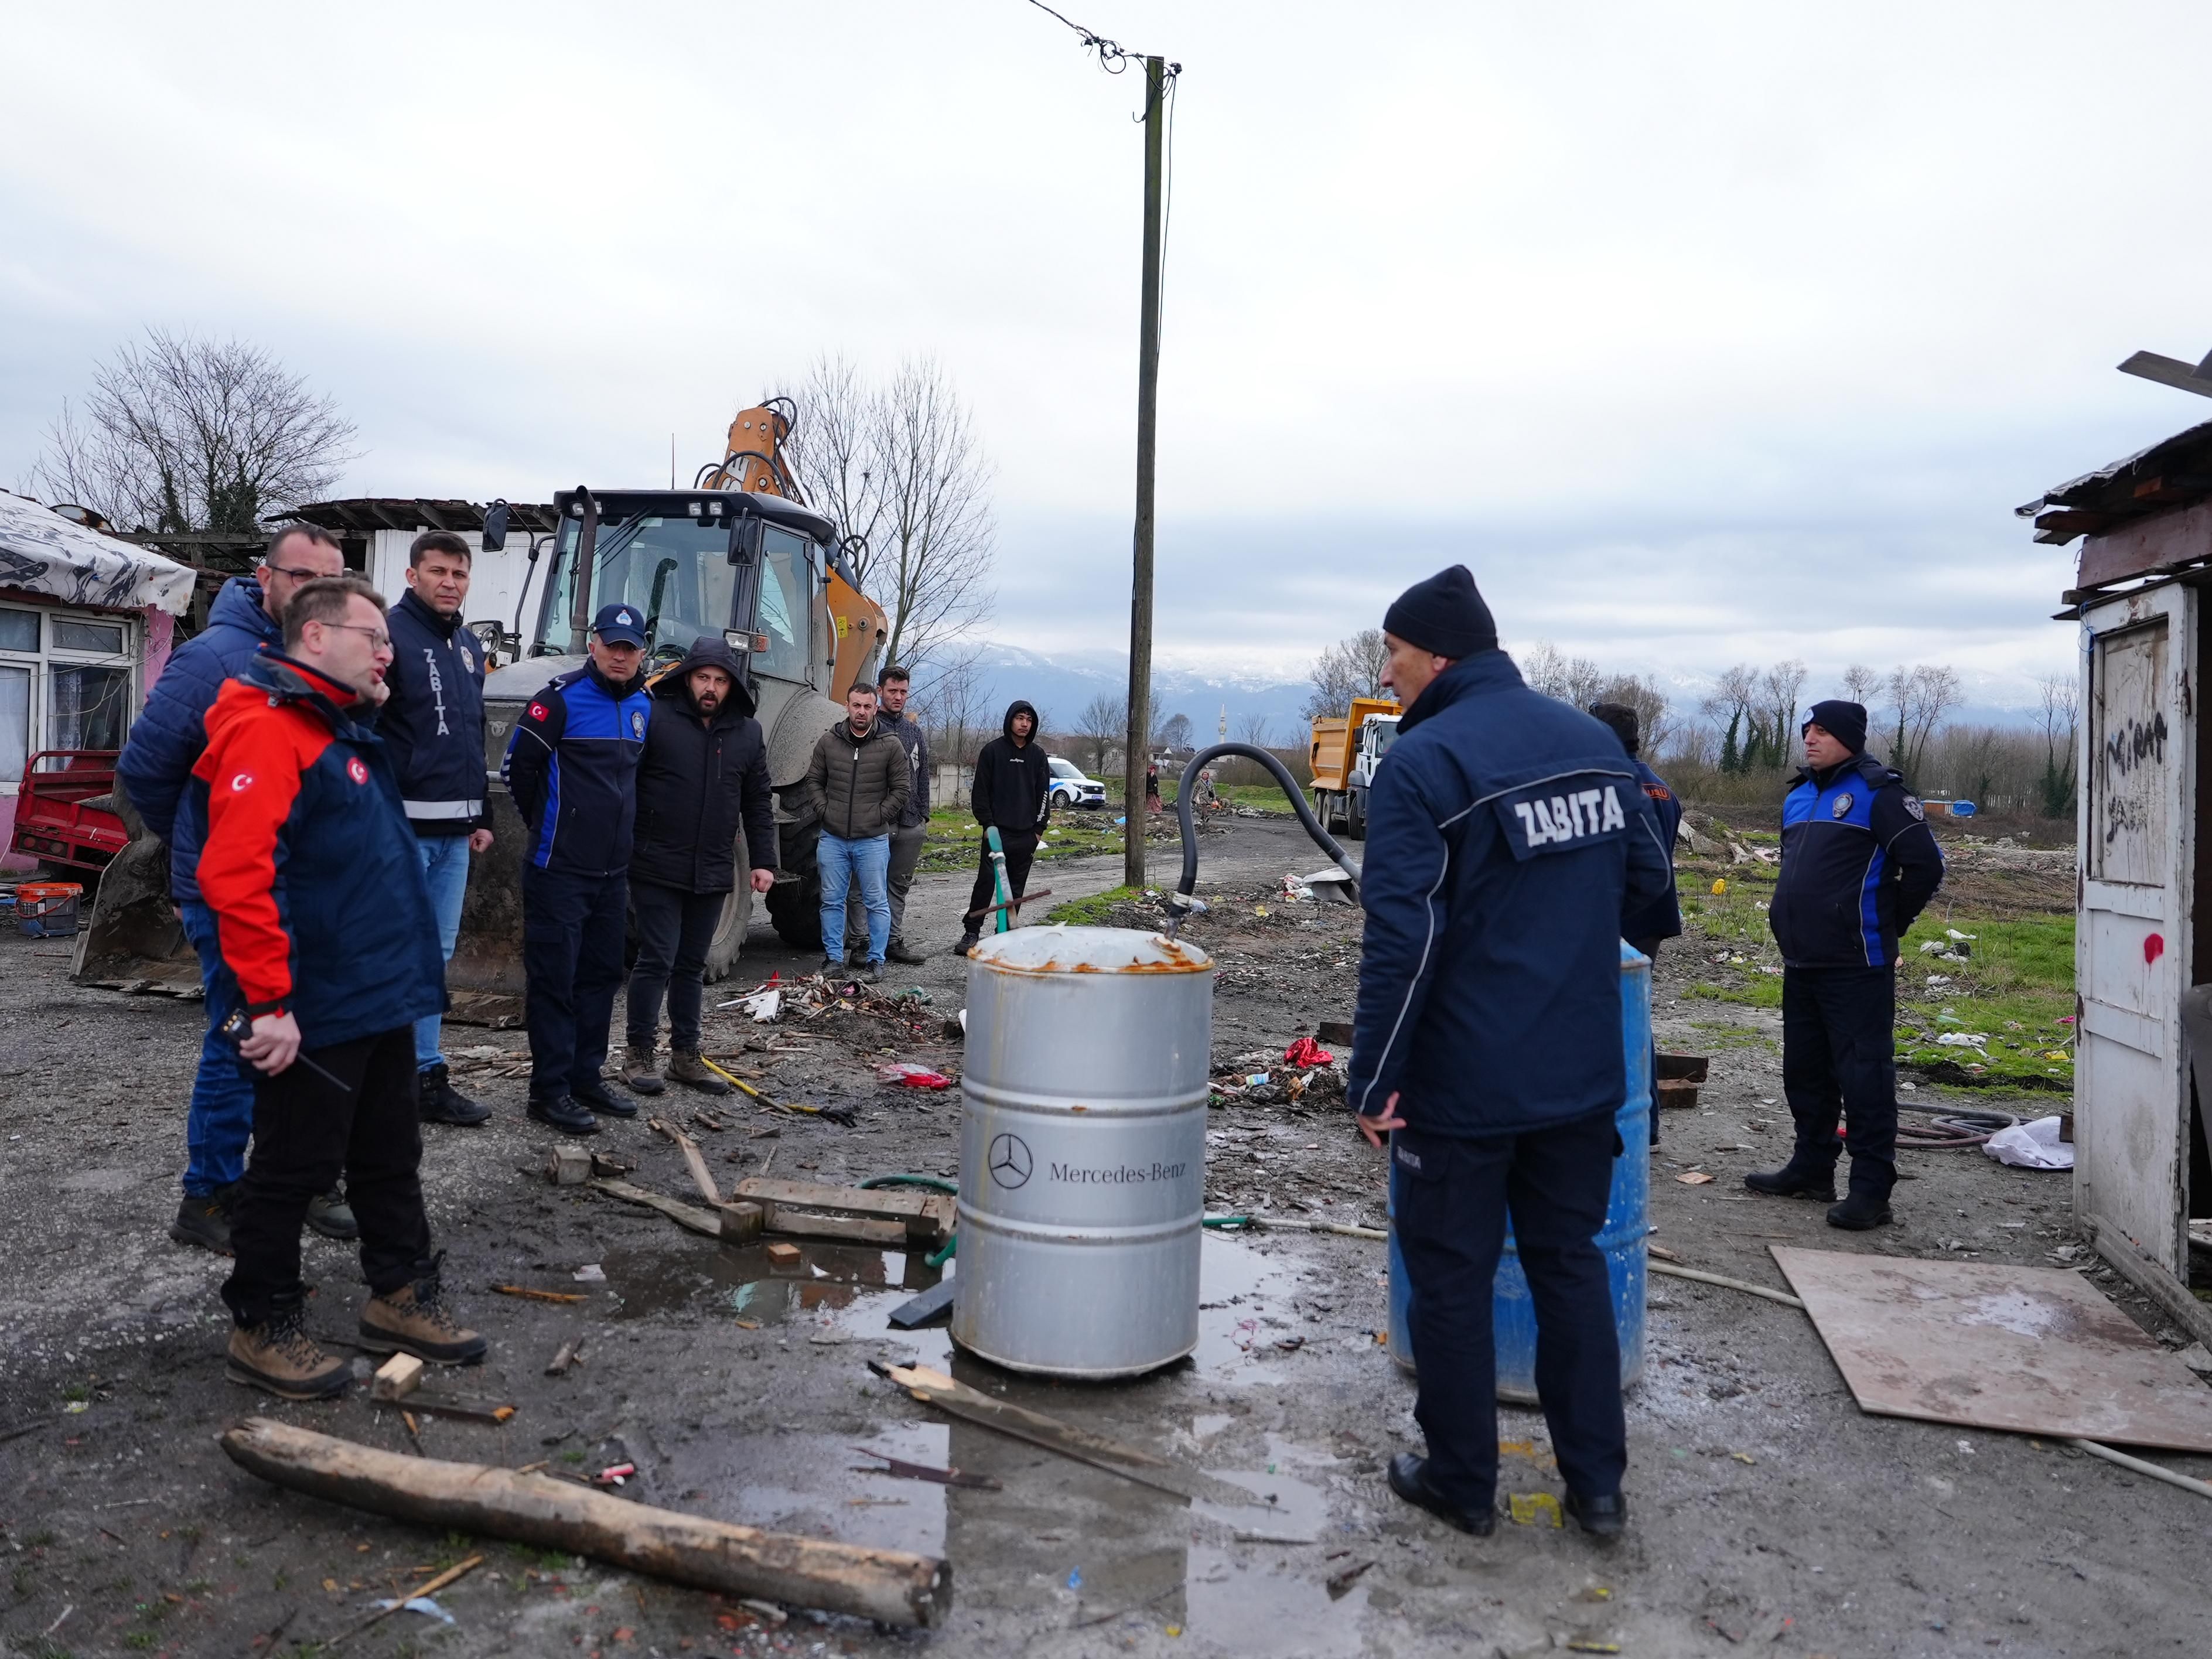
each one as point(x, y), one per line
point(1013, 795)
point(704, 772)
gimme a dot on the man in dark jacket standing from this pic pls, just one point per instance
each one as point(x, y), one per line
point(312, 873)
point(572, 768)
point(432, 726)
point(1012, 794)
point(156, 767)
point(704, 773)
point(1859, 864)
point(857, 783)
point(892, 687)
point(1507, 837)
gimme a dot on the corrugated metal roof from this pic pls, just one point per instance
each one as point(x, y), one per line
point(2172, 472)
point(364, 513)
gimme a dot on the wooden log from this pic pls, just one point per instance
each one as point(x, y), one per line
point(683, 1215)
point(926, 1217)
point(694, 1160)
point(742, 1222)
point(895, 1586)
point(396, 1378)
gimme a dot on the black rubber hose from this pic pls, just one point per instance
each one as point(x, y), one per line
point(1179, 901)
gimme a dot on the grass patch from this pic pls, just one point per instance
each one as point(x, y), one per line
point(1089, 912)
point(953, 842)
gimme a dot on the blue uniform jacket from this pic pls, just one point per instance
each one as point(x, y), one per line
point(1662, 917)
point(1507, 836)
point(171, 730)
point(432, 723)
point(572, 768)
point(1858, 864)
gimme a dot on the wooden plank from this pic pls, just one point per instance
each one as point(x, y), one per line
point(696, 1161)
point(1992, 1346)
point(895, 1586)
point(927, 1218)
point(2145, 546)
point(851, 1229)
point(684, 1215)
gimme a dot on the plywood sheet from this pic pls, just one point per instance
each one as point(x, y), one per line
point(1990, 1345)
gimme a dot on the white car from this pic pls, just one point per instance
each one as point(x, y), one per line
point(1071, 788)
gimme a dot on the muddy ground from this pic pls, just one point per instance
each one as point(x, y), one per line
point(1769, 1514)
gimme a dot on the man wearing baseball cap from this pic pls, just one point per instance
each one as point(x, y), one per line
point(572, 768)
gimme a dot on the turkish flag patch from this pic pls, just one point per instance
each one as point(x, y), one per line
point(357, 770)
point(537, 711)
point(242, 783)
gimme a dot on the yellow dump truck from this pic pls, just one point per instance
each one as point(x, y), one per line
point(1343, 751)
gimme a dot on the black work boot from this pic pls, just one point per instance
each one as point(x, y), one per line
point(596, 1096)
point(1409, 1479)
point(900, 951)
point(279, 1355)
point(205, 1221)
point(1604, 1517)
point(418, 1319)
point(1794, 1180)
point(332, 1216)
point(559, 1112)
point(967, 942)
point(1863, 1210)
point(437, 1100)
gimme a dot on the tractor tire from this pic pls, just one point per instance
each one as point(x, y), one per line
point(729, 941)
point(795, 906)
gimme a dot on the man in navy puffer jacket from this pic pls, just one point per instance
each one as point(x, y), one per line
point(155, 767)
point(1508, 835)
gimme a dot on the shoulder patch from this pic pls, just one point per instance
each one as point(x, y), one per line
point(1913, 805)
point(539, 711)
point(1561, 815)
point(1658, 792)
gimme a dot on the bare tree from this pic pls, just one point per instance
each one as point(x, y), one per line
point(901, 466)
point(1577, 680)
point(952, 708)
point(1654, 726)
point(1734, 697)
point(1861, 685)
point(1173, 732)
point(1350, 668)
point(1253, 729)
point(182, 434)
point(1918, 698)
point(1783, 684)
point(1103, 722)
point(2061, 713)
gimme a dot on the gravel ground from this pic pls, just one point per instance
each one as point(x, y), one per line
point(1768, 1511)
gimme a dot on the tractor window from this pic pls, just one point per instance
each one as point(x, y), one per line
point(676, 571)
point(787, 583)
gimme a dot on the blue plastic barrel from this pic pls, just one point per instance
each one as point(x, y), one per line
point(1513, 1313)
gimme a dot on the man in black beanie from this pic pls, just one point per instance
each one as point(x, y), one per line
point(1858, 864)
point(1508, 836)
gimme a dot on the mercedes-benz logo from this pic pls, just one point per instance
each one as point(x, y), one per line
point(1011, 1163)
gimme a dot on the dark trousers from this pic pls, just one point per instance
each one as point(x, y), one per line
point(674, 928)
point(1840, 1064)
point(573, 928)
point(1021, 850)
point(308, 1130)
point(1452, 1199)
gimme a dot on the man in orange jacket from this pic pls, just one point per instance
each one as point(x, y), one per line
point(309, 866)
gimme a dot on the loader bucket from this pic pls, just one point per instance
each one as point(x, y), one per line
point(134, 941)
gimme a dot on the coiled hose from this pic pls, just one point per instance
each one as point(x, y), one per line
point(1179, 900)
point(1949, 1128)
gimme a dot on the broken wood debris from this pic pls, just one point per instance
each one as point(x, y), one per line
point(694, 1160)
point(811, 1210)
point(529, 1295)
point(783, 1256)
point(396, 1378)
point(742, 1222)
point(684, 1215)
point(894, 1586)
point(452, 1575)
point(570, 1352)
point(899, 1467)
point(567, 1166)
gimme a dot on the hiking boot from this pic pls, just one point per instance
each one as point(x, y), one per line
point(638, 1071)
point(833, 968)
point(332, 1216)
point(596, 1096)
point(967, 942)
point(418, 1319)
point(1860, 1211)
point(280, 1357)
point(1604, 1518)
point(437, 1100)
point(559, 1112)
point(871, 974)
point(900, 951)
point(685, 1067)
point(1409, 1479)
point(205, 1221)
point(1792, 1180)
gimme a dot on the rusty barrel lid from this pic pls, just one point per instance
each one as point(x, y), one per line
point(1059, 949)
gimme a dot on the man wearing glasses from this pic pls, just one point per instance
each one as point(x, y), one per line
point(166, 741)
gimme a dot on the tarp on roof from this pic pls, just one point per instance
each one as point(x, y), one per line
point(42, 552)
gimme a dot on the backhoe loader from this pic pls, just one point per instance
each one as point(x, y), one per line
point(740, 553)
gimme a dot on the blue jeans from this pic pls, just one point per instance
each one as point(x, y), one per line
point(445, 868)
point(221, 1118)
point(840, 862)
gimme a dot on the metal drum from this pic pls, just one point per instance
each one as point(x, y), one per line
point(1082, 1150)
point(1513, 1315)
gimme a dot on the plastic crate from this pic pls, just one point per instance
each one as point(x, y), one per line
point(47, 909)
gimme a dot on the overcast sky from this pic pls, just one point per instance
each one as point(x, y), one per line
point(1702, 332)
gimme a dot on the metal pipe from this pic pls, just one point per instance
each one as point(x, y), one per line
point(1179, 900)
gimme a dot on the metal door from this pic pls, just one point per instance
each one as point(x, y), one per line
point(2137, 833)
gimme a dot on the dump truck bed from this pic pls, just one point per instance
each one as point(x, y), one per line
point(1335, 741)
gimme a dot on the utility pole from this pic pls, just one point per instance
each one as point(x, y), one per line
point(1140, 590)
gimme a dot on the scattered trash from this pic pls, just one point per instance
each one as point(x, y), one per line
point(1743, 1457)
point(1341, 1583)
point(901, 1469)
point(591, 1274)
point(1962, 1040)
point(764, 1006)
point(1075, 1579)
point(1694, 1178)
point(421, 1604)
point(913, 993)
point(783, 1256)
point(614, 1474)
point(75, 1406)
point(1533, 1509)
point(2033, 1145)
point(911, 1076)
point(1591, 1644)
point(1306, 1052)
point(1720, 886)
point(1257, 1080)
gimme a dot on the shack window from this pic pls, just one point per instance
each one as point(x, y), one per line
point(66, 681)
